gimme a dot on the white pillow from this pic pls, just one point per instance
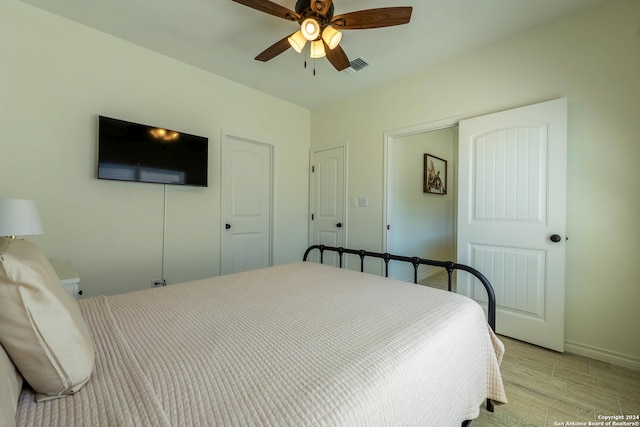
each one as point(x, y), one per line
point(41, 326)
point(10, 386)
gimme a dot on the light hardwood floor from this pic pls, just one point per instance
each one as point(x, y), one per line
point(546, 388)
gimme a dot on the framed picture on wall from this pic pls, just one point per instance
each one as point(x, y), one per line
point(435, 175)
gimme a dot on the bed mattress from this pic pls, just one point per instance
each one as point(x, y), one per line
point(300, 344)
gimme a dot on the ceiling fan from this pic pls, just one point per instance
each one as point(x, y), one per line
point(321, 28)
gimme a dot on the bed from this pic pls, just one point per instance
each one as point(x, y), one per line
point(302, 344)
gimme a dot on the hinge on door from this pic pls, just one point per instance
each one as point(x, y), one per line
point(313, 169)
point(312, 217)
point(388, 227)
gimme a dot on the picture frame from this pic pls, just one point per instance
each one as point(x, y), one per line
point(435, 175)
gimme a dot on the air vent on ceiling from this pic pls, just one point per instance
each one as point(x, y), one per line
point(357, 65)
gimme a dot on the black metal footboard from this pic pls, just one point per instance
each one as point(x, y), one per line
point(416, 262)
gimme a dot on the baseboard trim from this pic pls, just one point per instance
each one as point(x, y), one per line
point(603, 355)
point(428, 272)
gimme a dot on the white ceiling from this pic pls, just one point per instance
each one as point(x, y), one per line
point(223, 37)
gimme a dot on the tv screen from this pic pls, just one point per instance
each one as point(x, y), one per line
point(134, 152)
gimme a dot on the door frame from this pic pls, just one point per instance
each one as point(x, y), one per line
point(345, 149)
point(390, 137)
point(258, 140)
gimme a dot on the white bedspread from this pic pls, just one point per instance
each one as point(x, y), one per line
point(293, 345)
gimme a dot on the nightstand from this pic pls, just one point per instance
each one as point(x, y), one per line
point(68, 276)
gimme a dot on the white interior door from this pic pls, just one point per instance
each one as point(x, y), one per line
point(246, 204)
point(512, 217)
point(328, 216)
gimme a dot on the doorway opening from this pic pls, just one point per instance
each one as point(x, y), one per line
point(419, 223)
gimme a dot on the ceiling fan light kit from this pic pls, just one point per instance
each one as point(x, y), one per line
point(317, 49)
point(331, 36)
point(297, 41)
point(320, 27)
point(310, 29)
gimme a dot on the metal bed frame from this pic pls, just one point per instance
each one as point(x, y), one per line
point(416, 262)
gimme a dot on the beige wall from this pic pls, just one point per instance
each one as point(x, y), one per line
point(57, 76)
point(593, 59)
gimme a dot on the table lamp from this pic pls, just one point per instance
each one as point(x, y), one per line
point(19, 217)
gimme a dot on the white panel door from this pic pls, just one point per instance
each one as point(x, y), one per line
point(512, 217)
point(246, 204)
point(328, 200)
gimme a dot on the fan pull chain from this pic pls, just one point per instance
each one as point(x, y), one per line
point(304, 54)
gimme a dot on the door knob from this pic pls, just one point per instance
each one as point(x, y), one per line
point(227, 226)
point(339, 225)
point(555, 238)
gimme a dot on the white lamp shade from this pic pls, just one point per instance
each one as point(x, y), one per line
point(297, 41)
point(19, 217)
point(310, 29)
point(317, 49)
point(331, 36)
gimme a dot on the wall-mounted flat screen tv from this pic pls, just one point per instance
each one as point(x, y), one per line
point(134, 152)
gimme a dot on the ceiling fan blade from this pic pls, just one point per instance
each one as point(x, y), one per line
point(274, 50)
point(337, 57)
point(271, 8)
point(321, 6)
point(373, 18)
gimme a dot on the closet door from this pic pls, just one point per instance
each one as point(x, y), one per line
point(328, 189)
point(246, 204)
